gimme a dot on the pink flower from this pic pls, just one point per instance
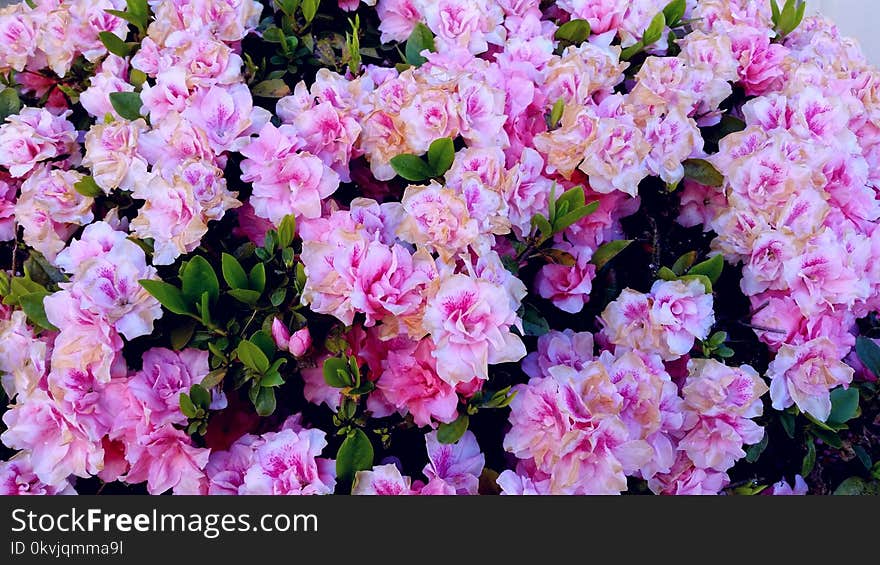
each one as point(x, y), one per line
point(288, 463)
point(226, 469)
point(18, 34)
point(429, 115)
point(171, 217)
point(382, 480)
point(397, 19)
point(682, 312)
point(169, 94)
point(466, 24)
point(469, 321)
point(410, 382)
point(603, 15)
point(58, 448)
point(164, 376)
point(110, 79)
point(805, 374)
point(567, 286)
point(226, 115)
point(782, 488)
point(49, 209)
point(112, 154)
point(459, 465)
point(567, 348)
point(34, 135)
point(166, 459)
point(687, 479)
point(17, 478)
point(760, 61)
point(713, 389)
point(23, 357)
point(717, 443)
point(617, 157)
point(286, 181)
point(298, 344)
point(437, 217)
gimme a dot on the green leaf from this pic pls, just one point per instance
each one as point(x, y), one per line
point(542, 225)
point(277, 297)
point(309, 9)
point(451, 433)
point(265, 401)
point(703, 279)
point(655, 30)
point(252, 356)
point(830, 438)
point(608, 251)
point(573, 198)
point(168, 295)
point(864, 457)
point(272, 378)
point(857, 486)
point(631, 51)
point(788, 423)
point(10, 103)
point(249, 297)
point(809, 460)
point(233, 272)
point(214, 378)
point(182, 334)
point(127, 104)
point(674, 11)
point(204, 308)
point(869, 354)
point(533, 322)
point(265, 342)
point(355, 454)
point(32, 304)
point(563, 222)
point(286, 231)
point(419, 40)
point(186, 406)
point(271, 88)
point(441, 154)
point(336, 373)
point(139, 21)
point(200, 396)
point(844, 405)
point(411, 167)
point(753, 452)
point(114, 44)
point(774, 11)
point(556, 113)
point(573, 31)
point(703, 172)
point(199, 277)
point(88, 187)
point(710, 268)
point(683, 263)
point(257, 278)
point(666, 274)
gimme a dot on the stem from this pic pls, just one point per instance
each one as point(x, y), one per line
point(763, 328)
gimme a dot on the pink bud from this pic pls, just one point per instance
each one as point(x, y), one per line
point(300, 342)
point(280, 334)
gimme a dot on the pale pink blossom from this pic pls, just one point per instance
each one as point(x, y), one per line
point(805, 374)
point(469, 321)
point(287, 463)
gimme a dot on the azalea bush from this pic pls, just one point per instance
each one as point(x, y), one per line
point(437, 247)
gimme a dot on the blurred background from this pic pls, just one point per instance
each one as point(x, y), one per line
point(855, 18)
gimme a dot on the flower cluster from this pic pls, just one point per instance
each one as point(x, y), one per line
point(243, 256)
